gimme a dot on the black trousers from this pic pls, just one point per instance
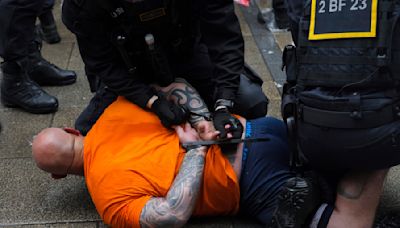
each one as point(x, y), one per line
point(17, 25)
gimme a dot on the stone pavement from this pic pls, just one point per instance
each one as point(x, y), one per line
point(31, 198)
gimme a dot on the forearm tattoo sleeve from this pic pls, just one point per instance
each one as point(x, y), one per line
point(181, 92)
point(176, 208)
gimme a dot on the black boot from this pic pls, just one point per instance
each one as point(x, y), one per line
point(45, 73)
point(17, 90)
point(297, 202)
point(47, 28)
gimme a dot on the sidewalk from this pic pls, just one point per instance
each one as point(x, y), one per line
point(31, 198)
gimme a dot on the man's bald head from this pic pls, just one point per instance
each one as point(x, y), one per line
point(54, 150)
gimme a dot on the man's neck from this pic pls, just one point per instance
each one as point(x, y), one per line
point(77, 162)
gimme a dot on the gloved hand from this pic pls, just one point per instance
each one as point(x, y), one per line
point(168, 112)
point(221, 118)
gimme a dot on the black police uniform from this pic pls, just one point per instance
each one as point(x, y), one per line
point(340, 125)
point(23, 61)
point(210, 56)
point(48, 28)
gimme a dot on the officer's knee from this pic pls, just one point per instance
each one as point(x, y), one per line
point(251, 102)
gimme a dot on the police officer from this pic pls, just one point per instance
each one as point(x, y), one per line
point(128, 44)
point(281, 18)
point(47, 27)
point(24, 69)
point(341, 99)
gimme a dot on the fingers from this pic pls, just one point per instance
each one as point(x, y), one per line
point(178, 129)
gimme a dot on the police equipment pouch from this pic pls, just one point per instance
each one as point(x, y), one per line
point(152, 32)
point(159, 62)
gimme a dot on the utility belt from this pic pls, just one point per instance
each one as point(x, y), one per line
point(353, 111)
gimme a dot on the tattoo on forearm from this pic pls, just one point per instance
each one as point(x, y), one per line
point(189, 97)
point(176, 208)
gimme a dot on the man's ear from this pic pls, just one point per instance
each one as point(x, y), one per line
point(57, 176)
point(72, 131)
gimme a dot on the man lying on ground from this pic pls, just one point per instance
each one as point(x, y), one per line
point(138, 174)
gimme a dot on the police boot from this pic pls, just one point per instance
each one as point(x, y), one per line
point(297, 202)
point(17, 90)
point(45, 73)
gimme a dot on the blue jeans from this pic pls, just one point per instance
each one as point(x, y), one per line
point(265, 168)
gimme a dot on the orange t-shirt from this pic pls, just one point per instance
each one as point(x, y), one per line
point(130, 157)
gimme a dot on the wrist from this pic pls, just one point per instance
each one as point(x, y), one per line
point(195, 147)
point(221, 104)
point(151, 101)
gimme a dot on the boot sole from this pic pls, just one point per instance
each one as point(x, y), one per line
point(303, 190)
point(10, 104)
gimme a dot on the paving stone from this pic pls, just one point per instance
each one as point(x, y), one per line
point(271, 91)
point(243, 25)
point(391, 195)
point(283, 38)
point(58, 54)
point(31, 196)
point(262, 71)
point(66, 117)
point(18, 129)
point(75, 95)
point(59, 225)
point(274, 108)
point(252, 54)
point(75, 62)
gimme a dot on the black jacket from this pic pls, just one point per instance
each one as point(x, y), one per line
point(216, 21)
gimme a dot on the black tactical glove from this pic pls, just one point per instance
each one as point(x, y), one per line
point(221, 118)
point(169, 113)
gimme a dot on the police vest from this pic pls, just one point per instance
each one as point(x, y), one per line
point(346, 44)
point(344, 71)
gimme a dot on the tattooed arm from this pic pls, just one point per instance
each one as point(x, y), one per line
point(181, 92)
point(176, 208)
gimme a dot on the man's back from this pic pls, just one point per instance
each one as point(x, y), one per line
point(130, 157)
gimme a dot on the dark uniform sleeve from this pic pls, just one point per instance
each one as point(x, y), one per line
point(102, 59)
point(221, 33)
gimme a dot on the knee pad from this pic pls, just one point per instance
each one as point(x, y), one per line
point(250, 102)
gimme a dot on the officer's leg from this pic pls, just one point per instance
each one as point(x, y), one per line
point(47, 28)
point(281, 16)
point(251, 101)
point(99, 102)
point(357, 199)
point(42, 71)
point(270, 191)
point(17, 23)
